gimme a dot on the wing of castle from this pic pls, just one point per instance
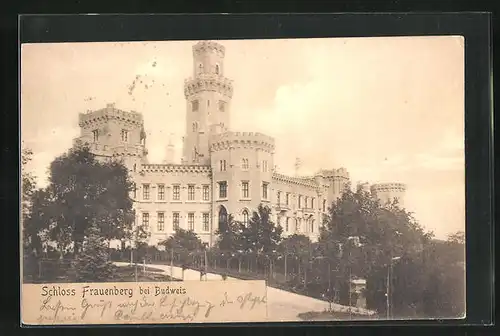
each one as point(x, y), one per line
point(221, 172)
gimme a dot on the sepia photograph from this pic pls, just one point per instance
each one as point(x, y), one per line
point(327, 175)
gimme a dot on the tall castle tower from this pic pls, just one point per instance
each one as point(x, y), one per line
point(388, 192)
point(113, 134)
point(208, 95)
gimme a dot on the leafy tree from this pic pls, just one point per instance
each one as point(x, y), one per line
point(28, 182)
point(93, 264)
point(230, 236)
point(84, 192)
point(261, 236)
point(361, 236)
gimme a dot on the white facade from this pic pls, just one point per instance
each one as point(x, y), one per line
point(222, 172)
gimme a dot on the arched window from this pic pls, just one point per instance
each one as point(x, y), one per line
point(217, 69)
point(222, 218)
point(312, 225)
point(245, 217)
point(244, 163)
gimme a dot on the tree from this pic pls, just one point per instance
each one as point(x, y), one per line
point(230, 236)
point(83, 192)
point(362, 237)
point(92, 264)
point(261, 236)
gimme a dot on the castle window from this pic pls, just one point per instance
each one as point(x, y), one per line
point(287, 199)
point(245, 190)
point(222, 165)
point(145, 220)
point(190, 192)
point(206, 193)
point(195, 127)
point(278, 197)
point(161, 192)
point(194, 105)
point(244, 164)
point(312, 225)
point(264, 166)
point(191, 221)
point(299, 201)
point(245, 217)
point(145, 191)
point(135, 166)
point(264, 190)
point(95, 134)
point(176, 193)
point(217, 69)
point(124, 136)
point(200, 68)
point(208, 103)
point(312, 203)
point(222, 106)
point(175, 221)
point(161, 221)
point(305, 201)
point(223, 189)
point(324, 205)
point(134, 190)
point(287, 224)
point(206, 219)
point(297, 224)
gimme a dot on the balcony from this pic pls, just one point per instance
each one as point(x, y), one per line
point(282, 207)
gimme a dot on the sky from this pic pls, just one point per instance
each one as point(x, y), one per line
point(388, 109)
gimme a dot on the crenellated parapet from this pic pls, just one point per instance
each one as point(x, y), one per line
point(228, 140)
point(277, 177)
point(333, 173)
point(388, 187)
point(176, 168)
point(203, 47)
point(207, 82)
point(110, 113)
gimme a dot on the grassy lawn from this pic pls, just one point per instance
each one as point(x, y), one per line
point(121, 274)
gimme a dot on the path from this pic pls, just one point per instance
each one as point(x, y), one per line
point(282, 305)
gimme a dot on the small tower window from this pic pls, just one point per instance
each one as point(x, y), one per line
point(195, 127)
point(200, 68)
point(95, 134)
point(194, 105)
point(222, 106)
point(124, 136)
point(244, 163)
point(217, 69)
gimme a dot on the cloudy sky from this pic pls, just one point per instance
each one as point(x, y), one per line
point(387, 109)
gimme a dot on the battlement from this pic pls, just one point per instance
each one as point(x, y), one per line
point(208, 82)
point(333, 173)
point(295, 180)
point(253, 139)
point(175, 168)
point(391, 186)
point(107, 113)
point(210, 46)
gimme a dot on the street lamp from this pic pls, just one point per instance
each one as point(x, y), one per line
point(388, 293)
point(356, 243)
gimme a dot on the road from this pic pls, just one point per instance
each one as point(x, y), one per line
point(283, 306)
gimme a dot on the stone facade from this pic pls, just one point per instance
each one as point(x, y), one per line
point(221, 172)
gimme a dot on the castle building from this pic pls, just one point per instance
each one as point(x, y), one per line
point(221, 173)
